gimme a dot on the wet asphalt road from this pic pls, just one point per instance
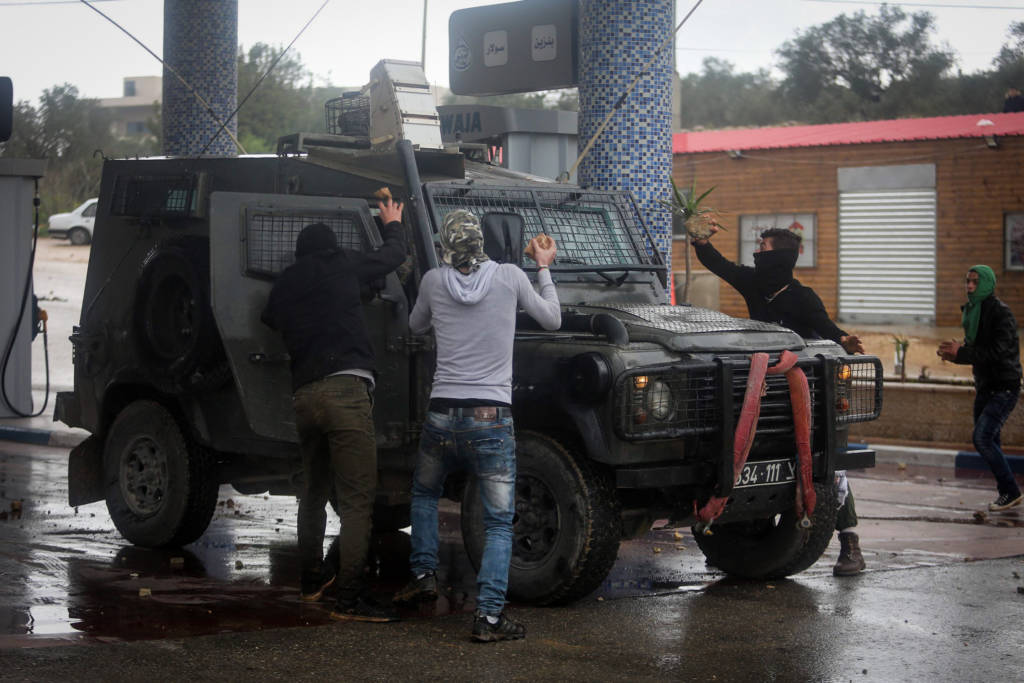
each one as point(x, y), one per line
point(936, 603)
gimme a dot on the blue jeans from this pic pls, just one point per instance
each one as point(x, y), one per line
point(991, 409)
point(487, 449)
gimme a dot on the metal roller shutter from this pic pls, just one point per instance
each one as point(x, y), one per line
point(887, 256)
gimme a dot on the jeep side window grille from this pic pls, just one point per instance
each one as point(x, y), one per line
point(270, 237)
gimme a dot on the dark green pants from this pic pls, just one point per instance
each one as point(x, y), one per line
point(847, 516)
point(335, 424)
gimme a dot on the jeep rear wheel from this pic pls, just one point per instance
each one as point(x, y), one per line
point(160, 490)
point(775, 547)
point(566, 529)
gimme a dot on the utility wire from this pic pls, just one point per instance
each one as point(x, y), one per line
point(622, 98)
point(223, 125)
point(173, 71)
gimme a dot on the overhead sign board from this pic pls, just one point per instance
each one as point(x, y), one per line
point(513, 47)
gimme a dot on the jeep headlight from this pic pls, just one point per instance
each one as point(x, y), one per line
point(658, 400)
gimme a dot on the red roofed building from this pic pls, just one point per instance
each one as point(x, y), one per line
point(892, 212)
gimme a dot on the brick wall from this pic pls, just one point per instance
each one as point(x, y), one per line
point(975, 186)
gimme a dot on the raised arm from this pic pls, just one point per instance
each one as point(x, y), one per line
point(391, 253)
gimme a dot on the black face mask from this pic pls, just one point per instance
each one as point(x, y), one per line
point(774, 269)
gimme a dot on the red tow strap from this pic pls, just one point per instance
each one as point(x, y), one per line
point(746, 428)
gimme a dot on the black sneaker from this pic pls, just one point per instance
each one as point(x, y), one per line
point(1005, 501)
point(422, 589)
point(504, 629)
point(363, 608)
point(314, 586)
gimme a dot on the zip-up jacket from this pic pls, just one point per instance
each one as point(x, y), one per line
point(315, 304)
point(995, 352)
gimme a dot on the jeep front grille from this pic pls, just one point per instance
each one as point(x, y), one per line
point(695, 404)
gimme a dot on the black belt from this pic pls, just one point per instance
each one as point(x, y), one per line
point(480, 412)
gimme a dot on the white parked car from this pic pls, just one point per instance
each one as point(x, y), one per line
point(77, 225)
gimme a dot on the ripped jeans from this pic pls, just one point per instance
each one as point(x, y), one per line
point(487, 449)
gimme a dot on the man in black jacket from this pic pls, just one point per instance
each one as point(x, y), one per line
point(773, 295)
point(992, 348)
point(316, 306)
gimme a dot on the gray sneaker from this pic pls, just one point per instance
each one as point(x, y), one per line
point(1005, 501)
point(422, 589)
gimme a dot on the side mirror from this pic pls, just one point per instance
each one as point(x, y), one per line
point(6, 108)
point(503, 237)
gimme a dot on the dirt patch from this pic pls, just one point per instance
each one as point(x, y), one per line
point(48, 249)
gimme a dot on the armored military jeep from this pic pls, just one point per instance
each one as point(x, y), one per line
point(625, 416)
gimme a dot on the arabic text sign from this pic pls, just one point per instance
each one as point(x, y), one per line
point(513, 47)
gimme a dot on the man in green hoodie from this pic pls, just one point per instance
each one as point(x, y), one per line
point(992, 348)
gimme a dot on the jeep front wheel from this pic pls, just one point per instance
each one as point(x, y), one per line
point(774, 547)
point(566, 529)
point(160, 490)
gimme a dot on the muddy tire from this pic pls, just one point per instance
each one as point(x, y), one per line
point(772, 548)
point(79, 237)
point(160, 490)
point(566, 530)
point(176, 332)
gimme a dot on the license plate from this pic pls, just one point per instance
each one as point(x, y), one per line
point(766, 473)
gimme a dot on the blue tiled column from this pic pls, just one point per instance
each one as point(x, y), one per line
point(617, 38)
point(201, 43)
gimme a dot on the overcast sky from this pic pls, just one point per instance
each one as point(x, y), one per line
point(48, 42)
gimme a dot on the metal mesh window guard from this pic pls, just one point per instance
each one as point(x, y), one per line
point(154, 196)
point(590, 228)
point(270, 237)
point(348, 114)
point(860, 397)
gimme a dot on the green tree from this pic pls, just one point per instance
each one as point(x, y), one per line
point(285, 101)
point(1009, 63)
point(72, 134)
point(846, 68)
point(718, 97)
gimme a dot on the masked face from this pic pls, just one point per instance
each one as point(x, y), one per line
point(462, 241)
point(774, 267)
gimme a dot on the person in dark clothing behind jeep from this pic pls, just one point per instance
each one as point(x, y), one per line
point(315, 305)
point(773, 295)
point(992, 348)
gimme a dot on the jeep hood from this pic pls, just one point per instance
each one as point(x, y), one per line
point(691, 329)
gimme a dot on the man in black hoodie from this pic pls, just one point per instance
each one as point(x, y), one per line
point(773, 295)
point(315, 305)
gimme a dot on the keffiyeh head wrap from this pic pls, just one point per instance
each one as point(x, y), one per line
point(462, 240)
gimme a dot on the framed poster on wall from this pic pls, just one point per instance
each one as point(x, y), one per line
point(804, 224)
point(1013, 226)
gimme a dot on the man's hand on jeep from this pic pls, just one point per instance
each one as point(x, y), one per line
point(390, 211)
point(542, 249)
point(851, 343)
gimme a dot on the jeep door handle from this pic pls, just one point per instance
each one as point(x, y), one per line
point(260, 358)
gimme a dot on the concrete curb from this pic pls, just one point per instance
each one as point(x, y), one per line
point(57, 438)
point(936, 457)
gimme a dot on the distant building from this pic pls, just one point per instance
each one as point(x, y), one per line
point(892, 213)
point(132, 112)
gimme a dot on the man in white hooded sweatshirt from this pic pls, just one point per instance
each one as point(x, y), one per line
point(471, 303)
